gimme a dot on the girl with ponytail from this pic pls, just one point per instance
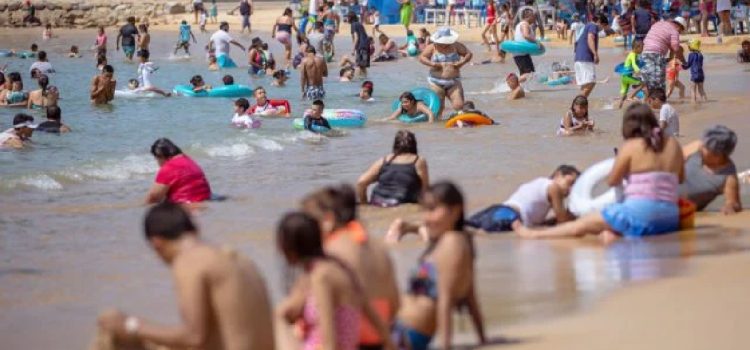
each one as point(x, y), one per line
point(650, 167)
point(45, 96)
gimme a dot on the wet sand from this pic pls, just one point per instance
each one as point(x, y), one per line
point(62, 260)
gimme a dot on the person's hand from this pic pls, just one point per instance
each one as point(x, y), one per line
point(729, 209)
point(113, 321)
point(596, 58)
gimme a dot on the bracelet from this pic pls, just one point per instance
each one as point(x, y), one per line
point(132, 325)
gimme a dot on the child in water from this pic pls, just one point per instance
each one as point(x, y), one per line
point(743, 55)
point(279, 78)
point(198, 84)
point(627, 79)
point(74, 52)
point(202, 21)
point(184, 37)
point(346, 74)
point(576, 121)
point(47, 33)
point(214, 12)
point(365, 92)
point(469, 108)
point(516, 90)
point(669, 121)
point(695, 65)
point(212, 65)
point(673, 78)
point(529, 205)
point(314, 120)
point(241, 118)
point(145, 70)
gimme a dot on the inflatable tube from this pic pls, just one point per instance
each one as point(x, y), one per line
point(338, 118)
point(620, 69)
point(474, 119)
point(25, 54)
point(219, 91)
point(581, 200)
point(522, 48)
point(277, 104)
point(687, 213)
point(563, 80)
point(136, 94)
point(424, 95)
point(246, 122)
point(6, 53)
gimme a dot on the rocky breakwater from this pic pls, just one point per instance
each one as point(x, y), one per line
point(88, 13)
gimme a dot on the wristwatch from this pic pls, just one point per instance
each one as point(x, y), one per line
point(131, 325)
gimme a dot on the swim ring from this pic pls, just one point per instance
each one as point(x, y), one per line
point(219, 91)
point(338, 118)
point(424, 95)
point(276, 104)
point(620, 68)
point(25, 54)
point(474, 119)
point(135, 94)
point(6, 53)
point(563, 80)
point(522, 48)
point(582, 201)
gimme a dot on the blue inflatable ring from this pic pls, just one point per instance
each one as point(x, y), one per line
point(6, 53)
point(522, 48)
point(338, 118)
point(219, 91)
point(424, 95)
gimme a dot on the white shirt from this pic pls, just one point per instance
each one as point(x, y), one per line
point(669, 115)
point(144, 73)
point(313, 10)
point(532, 201)
point(519, 33)
point(221, 41)
point(44, 67)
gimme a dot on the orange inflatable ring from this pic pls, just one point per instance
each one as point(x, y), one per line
point(474, 119)
point(687, 213)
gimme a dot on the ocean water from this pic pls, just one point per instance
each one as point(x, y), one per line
point(70, 205)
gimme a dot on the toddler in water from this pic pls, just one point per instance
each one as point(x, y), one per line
point(695, 65)
point(669, 121)
point(673, 78)
point(365, 92)
point(743, 55)
point(214, 12)
point(74, 52)
point(627, 79)
point(242, 119)
point(529, 204)
point(576, 121)
point(47, 33)
point(212, 65)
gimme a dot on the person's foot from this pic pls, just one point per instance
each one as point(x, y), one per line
point(608, 237)
point(395, 231)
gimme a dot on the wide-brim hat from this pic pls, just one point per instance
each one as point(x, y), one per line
point(445, 36)
point(681, 21)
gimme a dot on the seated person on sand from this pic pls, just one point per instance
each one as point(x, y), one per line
point(365, 92)
point(264, 107)
point(388, 49)
point(743, 55)
point(198, 84)
point(314, 121)
point(179, 179)
point(279, 78)
point(710, 172)
point(576, 120)
point(653, 163)
point(516, 90)
point(412, 108)
point(223, 300)
point(103, 86)
point(242, 116)
point(530, 203)
point(400, 177)
point(17, 136)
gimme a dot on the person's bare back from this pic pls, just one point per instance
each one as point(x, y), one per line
point(314, 69)
point(102, 90)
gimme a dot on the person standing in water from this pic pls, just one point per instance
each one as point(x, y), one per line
point(145, 70)
point(361, 43)
point(525, 32)
point(101, 42)
point(44, 97)
point(53, 124)
point(184, 40)
point(246, 9)
point(224, 303)
point(445, 56)
point(312, 71)
point(144, 40)
point(103, 86)
point(282, 32)
point(220, 42)
point(587, 53)
point(406, 10)
point(127, 37)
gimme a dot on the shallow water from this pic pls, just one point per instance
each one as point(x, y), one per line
point(70, 240)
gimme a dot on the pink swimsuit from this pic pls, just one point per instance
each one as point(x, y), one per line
point(346, 325)
point(654, 185)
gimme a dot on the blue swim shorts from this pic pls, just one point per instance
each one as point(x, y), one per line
point(642, 217)
point(224, 61)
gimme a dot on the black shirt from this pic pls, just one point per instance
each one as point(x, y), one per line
point(314, 124)
point(49, 126)
point(362, 40)
point(128, 32)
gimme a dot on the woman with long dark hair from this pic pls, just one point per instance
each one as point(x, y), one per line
point(180, 179)
point(46, 96)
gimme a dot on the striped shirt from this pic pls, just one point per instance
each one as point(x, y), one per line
point(662, 37)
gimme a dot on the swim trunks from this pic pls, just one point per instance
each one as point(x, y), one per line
point(142, 52)
point(315, 92)
point(363, 58)
point(224, 61)
point(524, 63)
point(128, 50)
point(654, 69)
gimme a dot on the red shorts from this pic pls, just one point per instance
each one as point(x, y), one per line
point(708, 7)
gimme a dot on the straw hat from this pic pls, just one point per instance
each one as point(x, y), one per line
point(445, 36)
point(681, 21)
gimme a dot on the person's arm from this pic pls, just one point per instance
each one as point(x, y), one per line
point(193, 36)
point(526, 32)
point(540, 24)
point(476, 314)
point(690, 62)
point(732, 203)
point(15, 143)
point(556, 197)
point(28, 103)
point(448, 265)
point(293, 306)
point(592, 46)
point(157, 193)
point(621, 167)
point(338, 23)
point(394, 115)
point(235, 43)
point(303, 76)
point(421, 107)
point(568, 123)
point(322, 293)
point(516, 93)
point(426, 57)
point(273, 30)
point(324, 123)
point(424, 174)
point(325, 68)
point(691, 148)
point(117, 41)
point(465, 54)
point(366, 179)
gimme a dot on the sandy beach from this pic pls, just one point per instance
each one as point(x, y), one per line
point(68, 252)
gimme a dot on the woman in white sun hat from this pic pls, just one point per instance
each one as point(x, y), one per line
point(445, 56)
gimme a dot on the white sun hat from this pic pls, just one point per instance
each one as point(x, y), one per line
point(445, 36)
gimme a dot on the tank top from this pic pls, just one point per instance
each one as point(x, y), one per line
point(283, 27)
point(518, 34)
point(399, 183)
point(702, 186)
point(531, 201)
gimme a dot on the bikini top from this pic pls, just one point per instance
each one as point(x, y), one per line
point(283, 27)
point(423, 280)
point(439, 57)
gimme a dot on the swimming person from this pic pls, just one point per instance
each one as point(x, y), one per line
point(17, 136)
point(145, 70)
point(344, 237)
point(53, 124)
point(198, 84)
point(412, 108)
point(445, 57)
point(227, 80)
point(365, 92)
point(314, 120)
point(710, 171)
point(279, 78)
point(576, 120)
point(282, 32)
point(242, 115)
point(401, 176)
point(312, 71)
point(223, 300)
point(45, 96)
point(127, 36)
point(184, 37)
point(15, 96)
point(327, 300)
point(346, 74)
point(103, 86)
point(530, 203)
point(264, 107)
point(74, 53)
point(653, 165)
point(179, 179)
point(514, 84)
point(220, 41)
point(42, 64)
point(444, 279)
